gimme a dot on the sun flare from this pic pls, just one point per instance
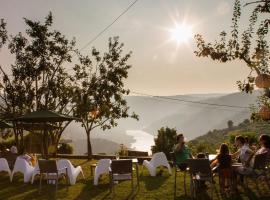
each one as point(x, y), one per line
point(181, 33)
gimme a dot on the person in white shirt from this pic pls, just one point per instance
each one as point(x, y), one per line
point(244, 153)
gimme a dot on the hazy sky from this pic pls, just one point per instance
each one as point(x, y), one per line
point(159, 67)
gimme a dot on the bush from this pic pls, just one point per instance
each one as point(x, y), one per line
point(65, 149)
point(165, 141)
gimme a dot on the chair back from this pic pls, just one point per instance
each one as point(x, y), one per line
point(47, 166)
point(159, 159)
point(10, 157)
point(65, 163)
point(103, 165)
point(260, 161)
point(3, 165)
point(172, 156)
point(199, 165)
point(123, 166)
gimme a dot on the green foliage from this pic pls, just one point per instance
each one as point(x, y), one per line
point(213, 139)
point(65, 149)
point(252, 136)
point(39, 80)
point(251, 46)
point(38, 77)
point(99, 92)
point(165, 141)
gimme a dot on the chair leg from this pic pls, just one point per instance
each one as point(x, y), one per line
point(40, 180)
point(185, 188)
point(175, 174)
point(56, 183)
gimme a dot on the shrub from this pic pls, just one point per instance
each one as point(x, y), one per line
point(165, 141)
point(65, 149)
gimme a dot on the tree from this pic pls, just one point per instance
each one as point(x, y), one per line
point(99, 99)
point(38, 79)
point(165, 141)
point(230, 124)
point(245, 47)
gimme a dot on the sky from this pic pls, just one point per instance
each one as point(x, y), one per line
point(160, 65)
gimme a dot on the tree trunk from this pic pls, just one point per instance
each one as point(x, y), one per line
point(89, 147)
point(21, 142)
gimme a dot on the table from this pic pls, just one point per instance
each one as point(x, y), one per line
point(212, 156)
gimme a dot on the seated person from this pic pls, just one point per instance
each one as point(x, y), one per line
point(30, 158)
point(182, 152)
point(14, 149)
point(223, 161)
point(245, 155)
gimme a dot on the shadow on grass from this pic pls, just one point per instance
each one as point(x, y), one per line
point(102, 191)
point(153, 183)
point(19, 190)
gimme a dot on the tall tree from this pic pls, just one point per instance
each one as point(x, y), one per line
point(38, 79)
point(251, 46)
point(100, 89)
point(165, 141)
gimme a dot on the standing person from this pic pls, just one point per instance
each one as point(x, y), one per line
point(224, 162)
point(182, 152)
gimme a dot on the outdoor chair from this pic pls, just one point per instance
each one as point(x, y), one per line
point(121, 170)
point(158, 159)
point(35, 172)
point(21, 165)
point(10, 157)
point(259, 169)
point(176, 171)
point(50, 172)
point(72, 171)
point(102, 167)
point(4, 167)
point(200, 170)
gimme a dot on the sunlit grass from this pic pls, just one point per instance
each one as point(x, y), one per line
point(160, 187)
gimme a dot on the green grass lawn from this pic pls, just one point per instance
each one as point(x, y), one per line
point(160, 187)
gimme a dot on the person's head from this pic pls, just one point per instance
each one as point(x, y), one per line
point(239, 141)
point(246, 140)
point(265, 141)
point(201, 155)
point(180, 138)
point(224, 149)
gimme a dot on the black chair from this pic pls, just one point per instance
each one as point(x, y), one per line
point(200, 170)
point(176, 171)
point(49, 171)
point(259, 169)
point(121, 170)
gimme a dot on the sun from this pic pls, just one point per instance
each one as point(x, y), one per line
point(181, 33)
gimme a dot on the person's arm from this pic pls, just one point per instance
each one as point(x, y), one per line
point(177, 147)
point(214, 163)
point(235, 154)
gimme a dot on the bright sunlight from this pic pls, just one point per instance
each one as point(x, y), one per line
point(181, 33)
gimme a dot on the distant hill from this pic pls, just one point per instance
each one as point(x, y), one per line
point(195, 119)
point(192, 119)
point(98, 145)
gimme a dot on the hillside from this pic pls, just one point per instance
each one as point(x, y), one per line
point(196, 119)
point(212, 140)
point(192, 119)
